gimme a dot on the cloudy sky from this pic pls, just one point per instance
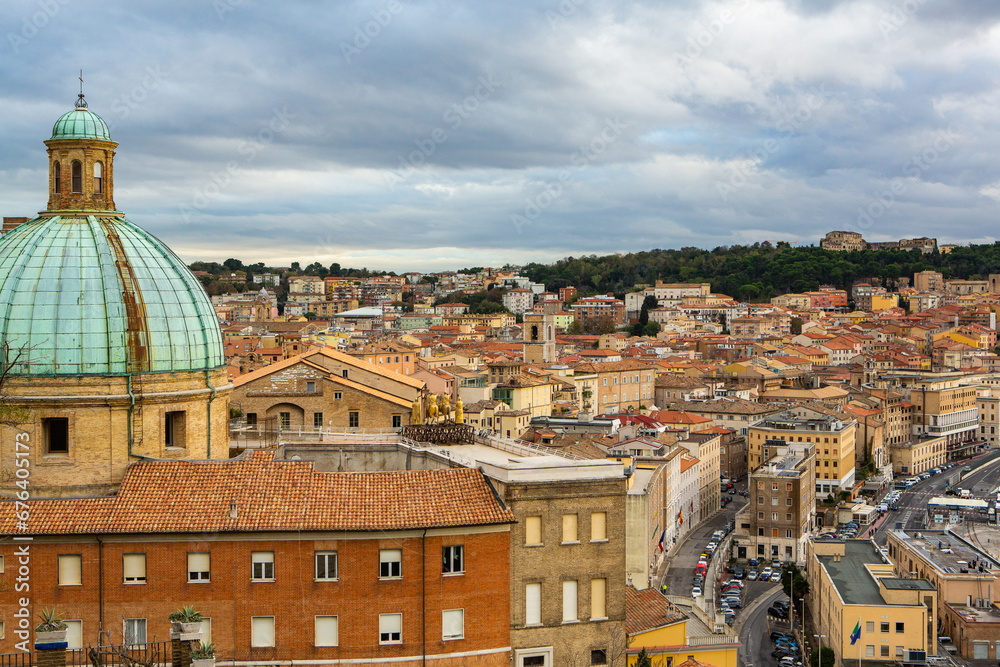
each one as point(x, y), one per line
point(427, 135)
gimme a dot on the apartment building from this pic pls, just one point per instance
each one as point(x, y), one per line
point(967, 583)
point(735, 413)
point(705, 447)
point(620, 384)
point(865, 611)
point(833, 436)
point(782, 506)
point(928, 281)
point(276, 556)
point(944, 408)
point(599, 307)
point(918, 454)
point(518, 300)
point(988, 402)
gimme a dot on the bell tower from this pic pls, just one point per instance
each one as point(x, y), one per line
point(81, 163)
point(539, 338)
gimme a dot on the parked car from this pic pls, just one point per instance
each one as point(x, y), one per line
point(696, 592)
point(765, 573)
point(753, 562)
point(778, 611)
point(775, 577)
point(752, 575)
point(733, 602)
point(739, 572)
point(778, 634)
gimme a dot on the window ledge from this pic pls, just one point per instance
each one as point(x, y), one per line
point(326, 580)
point(571, 542)
point(534, 544)
point(199, 581)
point(390, 578)
point(55, 460)
point(134, 583)
point(262, 581)
point(598, 618)
point(453, 574)
point(451, 639)
point(599, 541)
point(534, 625)
point(576, 620)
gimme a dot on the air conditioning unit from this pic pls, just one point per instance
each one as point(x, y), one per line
point(982, 603)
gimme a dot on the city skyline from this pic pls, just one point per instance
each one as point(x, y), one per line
point(528, 132)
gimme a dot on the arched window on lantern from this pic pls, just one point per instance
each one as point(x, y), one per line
point(57, 177)
point(77, 176)
point(98, 178)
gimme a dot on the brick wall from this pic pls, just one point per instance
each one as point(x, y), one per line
point(294, 598)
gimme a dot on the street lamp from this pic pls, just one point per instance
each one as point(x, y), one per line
point(819, 661)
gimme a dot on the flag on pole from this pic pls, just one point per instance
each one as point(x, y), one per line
point(680, 516)
point(856, 633)
point(663, 536)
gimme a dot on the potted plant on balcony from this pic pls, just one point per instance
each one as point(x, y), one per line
point(52, 630)
point(203, 655)
point(186, 620)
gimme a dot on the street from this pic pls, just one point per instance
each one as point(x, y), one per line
point(754, 630)
point(913, 502)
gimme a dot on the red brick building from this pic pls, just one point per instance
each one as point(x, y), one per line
point(286, 562)
point(597, 307)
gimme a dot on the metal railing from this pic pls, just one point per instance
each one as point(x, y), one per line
point(154, 654)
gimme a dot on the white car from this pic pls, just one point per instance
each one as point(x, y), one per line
point(775, 577)
point(765, 573)
point(696, 592)
point(882, 507)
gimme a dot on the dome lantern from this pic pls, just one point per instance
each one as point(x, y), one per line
point(81, 162)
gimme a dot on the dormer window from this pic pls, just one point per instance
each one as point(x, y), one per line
point(77, 177)
point(57, 177)
point(98, 178)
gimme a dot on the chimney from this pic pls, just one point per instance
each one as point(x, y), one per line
point(11, 223)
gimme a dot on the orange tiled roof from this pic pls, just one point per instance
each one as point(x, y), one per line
point(269, 495)
point(647, 610)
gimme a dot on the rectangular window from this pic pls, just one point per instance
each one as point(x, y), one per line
point(774, 500)
point(262, 566)
point(788, 517)
point(353, 419)
point(251, 419)
point(599, 656)
point(317, 420)
point(326, 566)
point(598, 598)
point(56, 432)
point(453, 624)
point(70, 570)
point(390, 628)
point(284, 420)
point(311, 387)
point(262, 631)
point(899, 628)
point(899, 652)
point(134, 568)
point(397, 421)
point(533, 530)
point(598, 526)
point(870, 626)
point(390, 563)
point(337, 395)
point(870, 651)
point(173, 429)
point(199, 566)
point(327, 630)
point(453, 559)
point(788, 533)
point(134, 631)
point(569, 528)
point(884, 626)
point(74, 634)
point(533, 604)
point(569, 601)
point(884, 651)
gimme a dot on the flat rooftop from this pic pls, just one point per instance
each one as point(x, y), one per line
point(854, 582)
point(515, 468)
point(974, 615)
point(943, 550)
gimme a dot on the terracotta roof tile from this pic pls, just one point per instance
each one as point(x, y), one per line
point(269, 495)
point(647, 610)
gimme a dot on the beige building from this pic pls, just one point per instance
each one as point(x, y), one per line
point(967, 583)
point(705, 447)
point(918, 455)
point(834, 439)
point(928, 281)
point(945, 408)
point(620, 384)
point(853, 590)
point(842, 241)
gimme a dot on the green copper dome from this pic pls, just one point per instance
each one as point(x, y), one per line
point(97, 295)
point(81, 123)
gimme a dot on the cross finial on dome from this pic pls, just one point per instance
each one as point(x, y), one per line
point(80, 102)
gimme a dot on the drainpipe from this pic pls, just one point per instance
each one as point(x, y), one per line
point(100, 587)
point(131, 411)
point(208, 383)
point(423, 598)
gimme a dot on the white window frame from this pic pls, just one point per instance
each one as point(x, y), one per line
point(390, 640)
point(136, 623)
point(135, 579)
point(459, 613)
point(448, 553)
point(325, 555)
point(262, 559)
point(390, 557)
point(336, 629)
point(199, 579)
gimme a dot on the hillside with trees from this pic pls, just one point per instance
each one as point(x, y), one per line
point(760, 271)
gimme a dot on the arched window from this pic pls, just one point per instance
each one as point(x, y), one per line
point(77, 176)
point(98, 178)
point(57, 177)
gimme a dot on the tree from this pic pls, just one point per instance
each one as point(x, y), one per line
point(651, 329)
point(647, 304)
point(643, 660)
point(828, 657)
point(796, 325)
point(233, 264)
point(793, 581)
